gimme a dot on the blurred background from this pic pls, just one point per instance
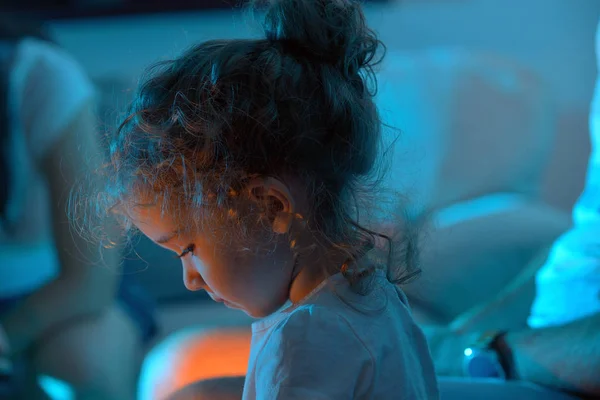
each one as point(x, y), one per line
point(492, 97)
point(115, 40)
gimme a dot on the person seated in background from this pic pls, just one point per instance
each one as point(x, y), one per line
point(559, 345)
point(59, 314)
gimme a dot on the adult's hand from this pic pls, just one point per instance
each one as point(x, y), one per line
point(447, 349)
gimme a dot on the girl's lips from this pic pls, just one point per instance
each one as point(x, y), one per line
point(220, 300)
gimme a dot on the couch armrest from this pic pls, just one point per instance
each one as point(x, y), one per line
point(477, 248)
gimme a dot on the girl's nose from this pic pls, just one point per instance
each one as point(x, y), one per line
point(191, 278)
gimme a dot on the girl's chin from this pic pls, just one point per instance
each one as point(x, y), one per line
point(236, 307)
point(264, 312)
point(227, 304)
point(253, 314)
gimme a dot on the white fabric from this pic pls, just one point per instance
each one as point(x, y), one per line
point(568, 285)
point(47, 88)
point(339, 345)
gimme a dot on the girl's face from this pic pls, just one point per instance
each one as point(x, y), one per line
point(258, 284)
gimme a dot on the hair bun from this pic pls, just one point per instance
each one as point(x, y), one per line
point(330, 31)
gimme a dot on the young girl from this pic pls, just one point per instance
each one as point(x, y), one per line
point(247, 159)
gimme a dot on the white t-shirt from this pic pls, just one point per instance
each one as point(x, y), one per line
point(568, 285)
point(47, 89)
point(338, 345)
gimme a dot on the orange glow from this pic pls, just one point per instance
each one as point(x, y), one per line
point(220, 353)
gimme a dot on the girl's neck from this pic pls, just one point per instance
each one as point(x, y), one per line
point(311, 272)
point(304, 283)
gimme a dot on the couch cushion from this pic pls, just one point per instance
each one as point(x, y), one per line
point(477, 247)
point(471, 124)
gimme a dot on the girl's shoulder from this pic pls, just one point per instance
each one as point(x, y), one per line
point(310, 326)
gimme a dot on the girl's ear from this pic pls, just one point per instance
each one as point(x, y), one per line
point(279, 199)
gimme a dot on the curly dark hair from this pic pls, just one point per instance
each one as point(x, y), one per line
point(298, 102)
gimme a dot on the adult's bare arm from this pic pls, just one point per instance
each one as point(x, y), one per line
point(565, 357)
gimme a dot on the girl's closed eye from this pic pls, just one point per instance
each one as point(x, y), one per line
point(188, 250)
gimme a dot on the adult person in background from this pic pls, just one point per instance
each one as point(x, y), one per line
point(58, 293)
point(559, 344)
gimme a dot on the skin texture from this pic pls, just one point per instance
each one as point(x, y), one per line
point(255, 282)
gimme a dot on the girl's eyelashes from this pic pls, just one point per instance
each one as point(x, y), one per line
point(189, 249)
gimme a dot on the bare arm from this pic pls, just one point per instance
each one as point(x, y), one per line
point(85, 286)
point(565, 357)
